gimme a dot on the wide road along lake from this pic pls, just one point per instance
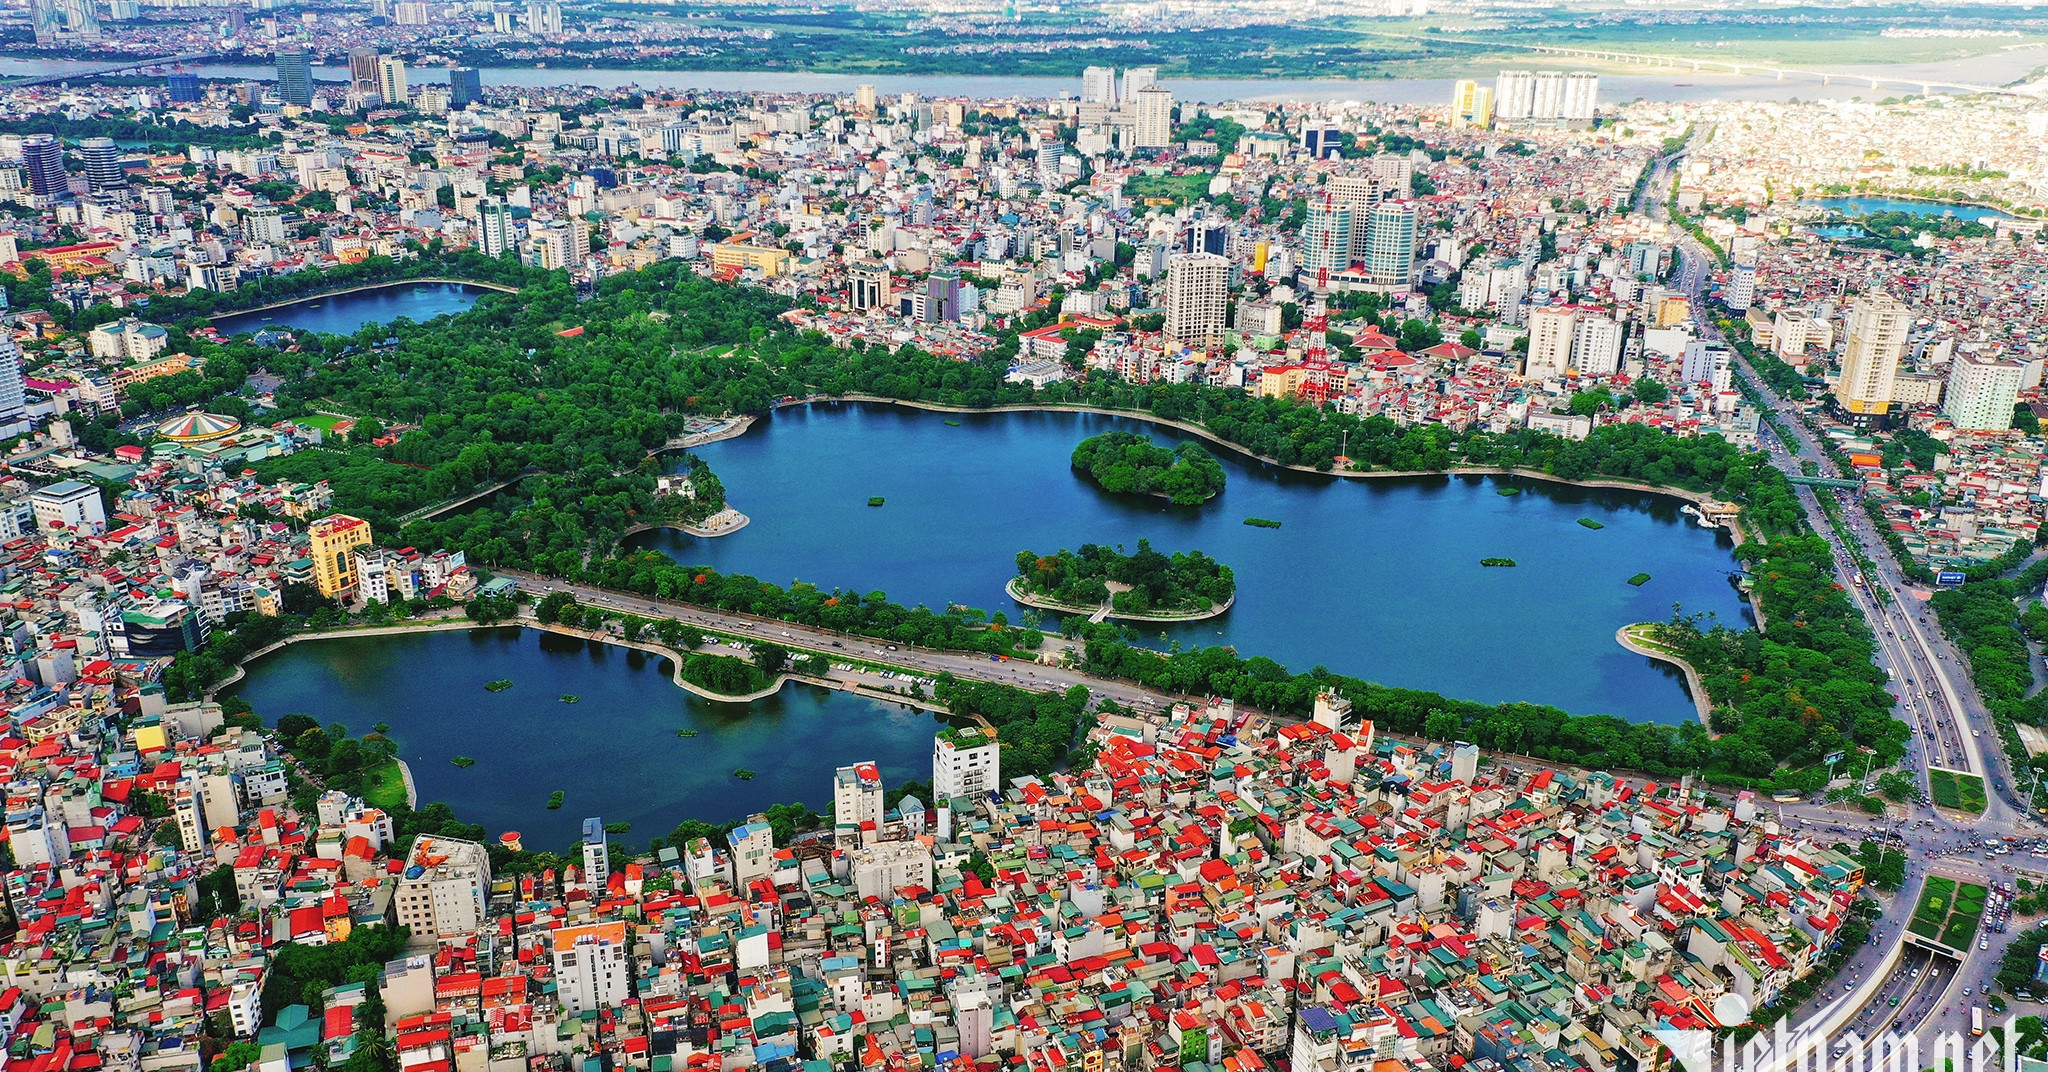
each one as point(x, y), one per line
point(615, 753)
point(1377, 578)
point(345, 314)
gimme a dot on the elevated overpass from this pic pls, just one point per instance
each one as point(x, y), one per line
point(1926, 87)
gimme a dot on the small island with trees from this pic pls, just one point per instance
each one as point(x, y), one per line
point(1129, 463)
point(1144, 586)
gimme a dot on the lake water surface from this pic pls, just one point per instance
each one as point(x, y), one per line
point(345, 314)
point(1377, 578)
point(615, 753)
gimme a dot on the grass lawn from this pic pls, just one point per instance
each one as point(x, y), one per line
point(321, 421)
point(1947, 912)
point(1962, 921)
point(384, 786)
point(1180, 189)
point(1953, 789)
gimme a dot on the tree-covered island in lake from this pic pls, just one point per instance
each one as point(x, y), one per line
point(1147, 582)
point(1128, 462)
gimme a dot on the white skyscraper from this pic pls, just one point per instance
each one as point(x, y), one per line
point(1596, 346)
point(494, 227)
point(1514, 94)
point(1741, 286)
point(544, 19)
point(1549, 102)
point(1581, 96)
point(1707, 363)
point(1155, 117)
point(1550, 343)
point(1326, 236)
point(1098, 86)
point(391, 80)
point(13, 393)
point(1877, 338)
point(1982, 391)
point(1390, 244)
point(1197, 295)
point(1136, 80)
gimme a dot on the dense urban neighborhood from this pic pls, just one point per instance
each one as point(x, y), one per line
point(1820, 327)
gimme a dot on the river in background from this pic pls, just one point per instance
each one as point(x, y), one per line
point(615, 753)
point(1378, 578)
point(345, 314)
point(1662, 84)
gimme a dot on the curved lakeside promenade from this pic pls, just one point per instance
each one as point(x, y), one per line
point(343, 292)
point(870, 651)
point(857, 682)
point(1102, 610)
point(1636, 638)
point(723, 523)
point(1697, 498)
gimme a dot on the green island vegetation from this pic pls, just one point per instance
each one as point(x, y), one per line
point(555, 800)
point(618, 828)
point(499, 685)
point(1496, 561)
point(1507, 491)
point(1955, 789)
point(499, 394)
point(1590, 523)
point(465, 762)
point(874, 500)
point(1262, 522)
point(1639, 579)
point(950, 423)
point(570, 697)
point(686, 733)
point(1185, 582)
point(743, 774)
point(727, 674)
point(1129, 463)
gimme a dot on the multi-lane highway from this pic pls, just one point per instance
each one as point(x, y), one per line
point(1923, 992)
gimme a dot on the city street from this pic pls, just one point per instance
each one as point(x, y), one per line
point(1950, 727)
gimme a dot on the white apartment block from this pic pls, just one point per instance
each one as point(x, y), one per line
point(591, 972)
point(857, 806)
point(1982, 391)
point(1550, 343)
point(443, 888)
point(966, 762)
point(1197, 299)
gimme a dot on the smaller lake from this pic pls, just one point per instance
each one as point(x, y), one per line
point(616, 752)
point(345, 314)
point(1870, 206)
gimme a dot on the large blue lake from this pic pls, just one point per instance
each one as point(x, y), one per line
point(1377, 578)
point(616, 753)
point(1870, 206)
point(347, 313)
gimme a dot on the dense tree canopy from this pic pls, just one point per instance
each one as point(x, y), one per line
point(1184, 581)
point(1129, 463)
